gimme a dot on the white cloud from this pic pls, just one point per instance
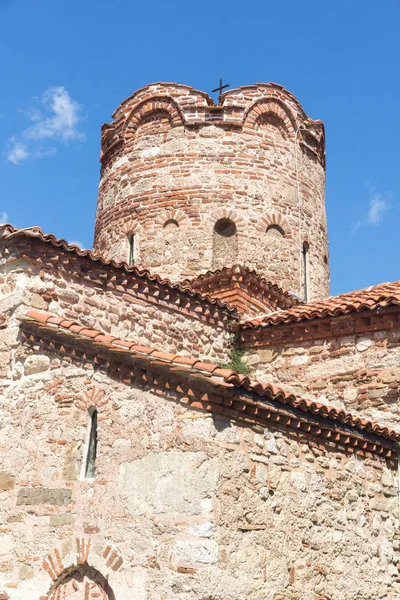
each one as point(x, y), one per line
point(3, 217)
point(54, 117)
point(61, 118)
point(18, 152)
point(377, 206)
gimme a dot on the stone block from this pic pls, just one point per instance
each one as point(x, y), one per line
point(7, 481)
point(192, 552)
point(36, 363)
point(169, 482)
point(40, 495)
point(60, 520)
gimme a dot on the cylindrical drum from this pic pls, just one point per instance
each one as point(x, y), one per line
point(189, 186)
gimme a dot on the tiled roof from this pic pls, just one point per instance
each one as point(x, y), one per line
point(369, 299)
point(244, 289)
point(221, 378)
point(9, 232)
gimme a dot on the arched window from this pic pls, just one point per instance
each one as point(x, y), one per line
point(92, 446)
point(305, 269)
point(275, 231)
point(131, 250)
point(170, 225)
point(224, 243)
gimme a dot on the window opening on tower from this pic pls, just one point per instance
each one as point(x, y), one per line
point(305, 270)
point(92, 447)
point(131, 253)
point(224, 243)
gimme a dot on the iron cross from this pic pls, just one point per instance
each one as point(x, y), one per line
point(221, 87)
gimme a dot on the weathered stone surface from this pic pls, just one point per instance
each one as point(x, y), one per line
point(7, 481)
point(36, 364)
point(192, 552)
point(32, 496)
point(168, 482)
point(60, 520)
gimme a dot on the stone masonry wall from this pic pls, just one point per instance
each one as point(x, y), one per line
point(360, 373)
point(183, 504)
point(116, 312)
point(174, 165)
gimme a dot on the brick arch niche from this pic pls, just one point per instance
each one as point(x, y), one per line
point(82, 583)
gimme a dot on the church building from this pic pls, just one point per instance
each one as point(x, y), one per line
point(186, 414)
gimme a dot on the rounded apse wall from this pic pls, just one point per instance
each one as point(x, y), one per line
point(188, 186)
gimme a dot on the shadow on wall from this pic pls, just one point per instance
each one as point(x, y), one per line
point(82, 583)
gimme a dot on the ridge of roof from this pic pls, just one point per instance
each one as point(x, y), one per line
point(8, 231)
point(219, 376)
point(371, 298)
point(245, 271)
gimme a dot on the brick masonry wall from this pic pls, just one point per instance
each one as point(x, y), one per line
point(117, 312)
point(183, 505)
point(173, 165)
point(359, 372)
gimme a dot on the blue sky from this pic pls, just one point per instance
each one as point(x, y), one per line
point(66, 65)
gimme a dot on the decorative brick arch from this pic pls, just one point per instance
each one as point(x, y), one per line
point(154, 105)
point(273, 107)
point(97, 397)
point(57, 565)
point(227, 213)
point(274, 219)
point(173, 215)
point(131, 228)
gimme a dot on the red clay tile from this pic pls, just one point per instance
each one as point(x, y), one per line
point(163, 355)
point(103, 338)
point(34, 314)
point(142, 349)
point(205, 366)
point(122, 343)
point(91, 333)
point(371, 299)
point(182, 360)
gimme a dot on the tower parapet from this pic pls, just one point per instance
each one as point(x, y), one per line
point(188, 186)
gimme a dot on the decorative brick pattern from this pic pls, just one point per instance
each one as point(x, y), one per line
point(94, 396)
point(113, 558)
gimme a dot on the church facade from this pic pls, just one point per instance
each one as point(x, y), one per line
point(185, 411)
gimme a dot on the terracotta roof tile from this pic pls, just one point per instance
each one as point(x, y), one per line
point(41, 317)
point(205, 366)
point(182, 360)
point(221, 377)
point(371, 298)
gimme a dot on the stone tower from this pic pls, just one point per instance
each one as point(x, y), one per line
point(189, 186)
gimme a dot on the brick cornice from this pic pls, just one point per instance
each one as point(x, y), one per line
point(243, 289)
point(206, 386)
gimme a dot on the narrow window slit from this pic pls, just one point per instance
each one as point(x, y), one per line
point(305, 270)
point(131, 256)
point(92, 447)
